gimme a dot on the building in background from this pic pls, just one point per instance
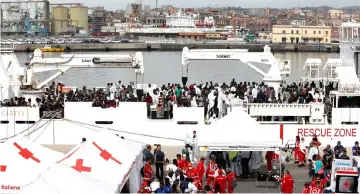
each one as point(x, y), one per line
point(59, 18)
point(31, 17)
point(301, 34)
point(97, 19)
point(335, 13)
point(259, 12)
point(79, 17)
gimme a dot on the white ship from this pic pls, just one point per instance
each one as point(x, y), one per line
point(129, 119)
point(180, 22)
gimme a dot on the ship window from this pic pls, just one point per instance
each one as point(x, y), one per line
point(24, 122)
point(104, 122)
point(187, 122)
point(4, 122)
point(349, 102)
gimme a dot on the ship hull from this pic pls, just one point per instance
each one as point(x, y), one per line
point(130, 120)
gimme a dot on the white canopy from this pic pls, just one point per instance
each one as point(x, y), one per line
point(22, 161)
point(63, 179)
point(108, 158)
point(239, 131)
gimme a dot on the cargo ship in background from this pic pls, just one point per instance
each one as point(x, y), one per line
point(188, 26)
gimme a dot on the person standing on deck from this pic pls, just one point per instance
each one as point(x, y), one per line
point(159, 162)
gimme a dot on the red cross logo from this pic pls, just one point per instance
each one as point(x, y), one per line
point(79, 166)
point(2, 168)
point(105, 154)
point(25, 153)
point(346, 184)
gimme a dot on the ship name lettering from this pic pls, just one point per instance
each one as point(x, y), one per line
point(12, 113)
point(223, 56)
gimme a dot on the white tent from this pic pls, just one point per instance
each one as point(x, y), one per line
point(238, 130)
point(108, 158)
point(63, 179)
point(22, 161)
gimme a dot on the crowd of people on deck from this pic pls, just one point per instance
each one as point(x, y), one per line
point(214, 98)
point(193, 94)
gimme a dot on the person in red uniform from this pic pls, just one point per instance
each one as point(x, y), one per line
point(230, 177)
point(297, 149)
point(308, 189)
point(191, 172)
point(144, 188)
point(147, 172)
point(269, 157)
point(201, 171)
point(210, 171)
point(221, 181)
point(287, 183)
point(315, 142)
point(302, 152)
point(319, 182)
point(183, 163)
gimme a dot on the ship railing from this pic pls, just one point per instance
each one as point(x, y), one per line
point(7, 48)
point(349, 88)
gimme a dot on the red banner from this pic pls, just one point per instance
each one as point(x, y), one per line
point(326, 132)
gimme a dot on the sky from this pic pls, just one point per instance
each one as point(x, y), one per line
point(121, 4)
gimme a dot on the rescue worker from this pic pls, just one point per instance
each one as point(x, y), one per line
point(183, 163)
point(297, 149)
point(144, 188)
point(200, 168)
point(287, 183)
point(221, 181)
point(147, 172)
point(219, 168)
point(302, 153)
point(318, 181)
point(231, 180)
point(191, 172)
point(210, 170)
point(308, 189)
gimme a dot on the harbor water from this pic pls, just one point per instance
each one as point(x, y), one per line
point(165, 67)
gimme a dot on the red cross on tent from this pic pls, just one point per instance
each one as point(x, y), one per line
point(346, 184)
point(3, 168)
point(105, 154)
point(25, 153)
point(79, 166)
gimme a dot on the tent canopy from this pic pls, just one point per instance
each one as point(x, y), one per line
point(63, 179)
point(19, 155)
point(105, 157)
point(238, 131)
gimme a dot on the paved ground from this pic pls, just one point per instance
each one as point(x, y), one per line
point(299, 175)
